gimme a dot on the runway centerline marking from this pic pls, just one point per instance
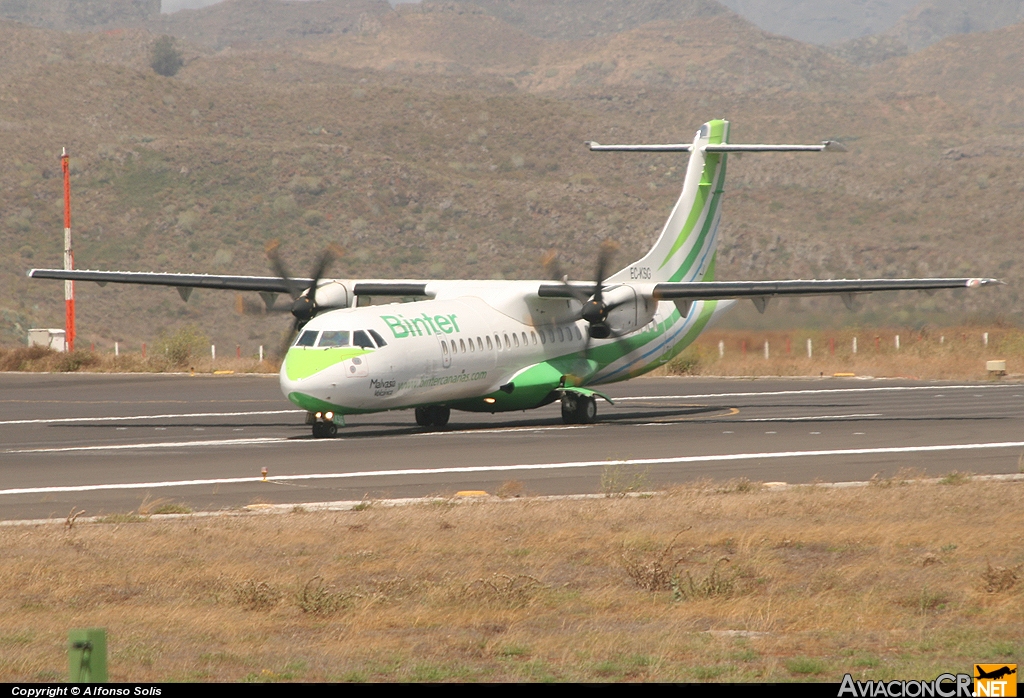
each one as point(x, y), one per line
point(521, 467)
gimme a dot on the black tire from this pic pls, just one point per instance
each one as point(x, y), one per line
point(330, 430)
point(569, 408)
point(318, 430)
point(423, 416)
point(439, 415)
point(586, 410)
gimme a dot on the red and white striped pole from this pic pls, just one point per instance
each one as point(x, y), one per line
point(69, 258)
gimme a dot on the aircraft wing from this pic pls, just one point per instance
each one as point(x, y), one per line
point(720, 290)
point(269, 284)
point(264, 284)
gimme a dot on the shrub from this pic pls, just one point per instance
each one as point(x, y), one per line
point(166, 60)
point(181, 346)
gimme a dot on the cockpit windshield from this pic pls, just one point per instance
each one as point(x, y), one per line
point(307, 339)
point(338, 338)
point(329, 339)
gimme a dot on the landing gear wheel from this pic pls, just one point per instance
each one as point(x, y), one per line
point(569, 408)
point(433, 415)
point(586, 410)
point(423, 416)
point(439, 415)
point(324, 430)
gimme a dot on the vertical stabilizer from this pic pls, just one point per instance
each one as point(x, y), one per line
point(685, 251)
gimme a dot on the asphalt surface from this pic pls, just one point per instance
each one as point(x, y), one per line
point(107, 443)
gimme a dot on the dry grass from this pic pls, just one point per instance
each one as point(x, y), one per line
point(41, 359)
point(954, 353)
point(898, 579)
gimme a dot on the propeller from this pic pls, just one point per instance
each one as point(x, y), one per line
point(303, 307)
point(595, 311)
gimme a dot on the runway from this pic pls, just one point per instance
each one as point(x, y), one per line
point(107, 443)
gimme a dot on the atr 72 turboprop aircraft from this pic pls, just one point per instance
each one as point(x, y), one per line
point(497, 346)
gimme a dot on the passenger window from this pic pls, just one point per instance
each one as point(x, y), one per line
point(462, 345)
point(489, 346)
point(578, 335)
point(377, 338)
point(561, 337)
point(534, 336)
point(524, 339)
point(508, 344)
point(515, 338)
point(551, 335)
point(542, 340)
point(479, 344)
point(455, 349)
point(307, 339)
point(360, 339)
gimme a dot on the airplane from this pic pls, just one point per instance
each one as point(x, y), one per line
point(498, 346)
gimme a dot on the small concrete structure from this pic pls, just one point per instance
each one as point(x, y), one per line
point(53, 339)
point(996, 367)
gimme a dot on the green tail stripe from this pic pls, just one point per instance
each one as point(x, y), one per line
point(709, 222)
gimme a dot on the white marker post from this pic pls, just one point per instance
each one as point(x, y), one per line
point(809, 352)
point(854, 345)
point(897, 342)
point(213, 355)
point(766, 354)
point(721, 348)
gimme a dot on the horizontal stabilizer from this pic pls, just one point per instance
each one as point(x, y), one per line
point(830, 146)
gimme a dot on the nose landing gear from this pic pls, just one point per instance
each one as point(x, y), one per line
point(324, 426)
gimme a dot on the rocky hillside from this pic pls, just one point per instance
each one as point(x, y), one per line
point(78, 15)
point(234, 22)
point(448, 143)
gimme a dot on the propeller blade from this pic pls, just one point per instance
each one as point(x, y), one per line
point(604, 258)
point(279, 268)
point(329, 255)
point(554, 270)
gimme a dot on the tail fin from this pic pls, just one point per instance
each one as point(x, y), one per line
point(685, 251)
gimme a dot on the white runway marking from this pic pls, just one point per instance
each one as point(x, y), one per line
point(824, 391)
point(65, 420)
point(512, 468)
point(807, 419)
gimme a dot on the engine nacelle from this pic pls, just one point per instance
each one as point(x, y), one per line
point(630, 310)
point(332, 295)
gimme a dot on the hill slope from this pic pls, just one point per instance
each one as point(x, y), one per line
point(427, 155)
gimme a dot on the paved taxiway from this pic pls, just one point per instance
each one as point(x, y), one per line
point(106, 443)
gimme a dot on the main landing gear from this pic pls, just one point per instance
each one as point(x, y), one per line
point(433, 415)
point(578, 409)
point(323, 424)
